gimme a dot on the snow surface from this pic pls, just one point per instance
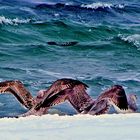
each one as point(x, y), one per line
point(77, 127)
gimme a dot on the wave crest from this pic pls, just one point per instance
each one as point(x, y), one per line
point(131, 39)
point(92, 6)
point(101, 5)
point(15, 21)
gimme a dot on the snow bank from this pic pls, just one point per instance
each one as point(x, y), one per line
point(78, 127)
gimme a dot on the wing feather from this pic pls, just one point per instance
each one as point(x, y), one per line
point(117, 95)
point(79, 99)
point(65, 89)
point(100, 107)
point(19, 91)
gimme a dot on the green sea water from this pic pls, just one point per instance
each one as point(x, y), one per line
point(107, 52)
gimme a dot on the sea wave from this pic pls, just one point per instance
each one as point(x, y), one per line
point(92, 6)
point(131, 39)
point(102, 5)
point(14, 21)
point(131, 78)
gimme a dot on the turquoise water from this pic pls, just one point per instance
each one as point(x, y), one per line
point(107, 52)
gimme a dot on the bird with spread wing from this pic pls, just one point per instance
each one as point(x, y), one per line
point(74, 92)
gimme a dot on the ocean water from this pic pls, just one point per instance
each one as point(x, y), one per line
point(107, 52)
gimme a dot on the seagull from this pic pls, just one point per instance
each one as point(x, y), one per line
point(73, 91)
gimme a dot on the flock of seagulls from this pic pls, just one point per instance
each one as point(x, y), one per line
point(74, 92)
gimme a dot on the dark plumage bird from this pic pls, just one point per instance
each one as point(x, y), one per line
point(74, 92)
point(64, 44)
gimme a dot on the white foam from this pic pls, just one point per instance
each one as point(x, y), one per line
point(15, 21)
point(135, 39)
point(101, 5)
point(85, 127)
point(47, 72)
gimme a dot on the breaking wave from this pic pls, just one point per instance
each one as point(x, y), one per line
point(131, 39)
point(93, 6)
point(101, 5)
point(14, 21)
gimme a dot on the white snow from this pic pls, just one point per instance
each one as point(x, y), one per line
point(78, 127)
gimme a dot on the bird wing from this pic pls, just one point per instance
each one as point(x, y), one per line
point(65, 89)
point(19, 91)
point(79, 98)
point(117, 95)
point(56, 99)
point(100, 107)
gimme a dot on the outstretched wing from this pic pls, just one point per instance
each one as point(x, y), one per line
point(60, 85)
point(19, 91)
point(79, 99)
point(66, 89)
point(117, 95)
point(54, 100)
